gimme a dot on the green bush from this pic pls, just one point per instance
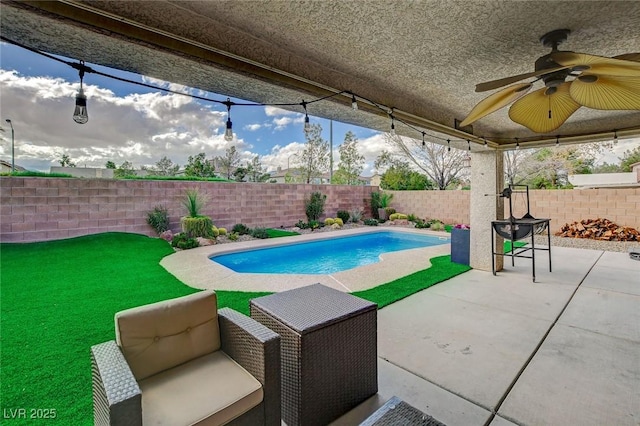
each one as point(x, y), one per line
point(259, 233)
point(356, 215)
point(193, 202)
point(222, 231)
point(233, 236)
point(344, 215)
point(215, 232)
point(329, 221)
point(314, 206)
point(302, 225)
point(437, 226)
point(314, 224)
point(385, 199)
point(200, 226)
point(371, 222)
point(184, 241)
point(241, 229)
point(393, 216)
point(402, 216)
point(390, 211)
point(420, 224)
point(375, 204)
point(412, 218)
point(338, 221)
point(158, 219)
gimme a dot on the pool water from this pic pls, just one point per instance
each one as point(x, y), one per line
point(325, 256)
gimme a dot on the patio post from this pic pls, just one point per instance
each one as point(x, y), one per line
point(487, 180)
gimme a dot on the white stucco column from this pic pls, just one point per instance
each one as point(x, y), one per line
point(487, 179)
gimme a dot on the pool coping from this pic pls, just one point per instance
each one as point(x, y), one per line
point(195, 269)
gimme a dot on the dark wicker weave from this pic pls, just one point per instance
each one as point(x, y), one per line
point(329, 351)
point(396, 412)
point(117, 399)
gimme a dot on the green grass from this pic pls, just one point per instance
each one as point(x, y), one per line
point(29, 173)
point(276, 233)
point(59, 298)
point(517, 244)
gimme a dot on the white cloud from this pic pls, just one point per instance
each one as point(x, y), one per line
point(252, 127)
point(272, 111)
point(282, 122)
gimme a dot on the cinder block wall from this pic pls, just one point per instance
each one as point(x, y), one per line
point(38, 209)
point(621, 206)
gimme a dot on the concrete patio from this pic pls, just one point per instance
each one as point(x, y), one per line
point(485, 350)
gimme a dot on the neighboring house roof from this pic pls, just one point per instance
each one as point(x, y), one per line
point(7, 165)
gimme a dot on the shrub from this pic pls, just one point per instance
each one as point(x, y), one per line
point(329, 221)
point(412, 218)
point(233, 236)
point(193, 202)
point(167, 235)
point(158, 219)
point(437, 226)
point(344, 215)
point(385, 199)
point(314, 224)
point(390, 211)
point(302, 225)
point(401, 216)
point(314, 205)
point(184, 241)
point(222, 231)
point(371, 222)
point(240, 229)
point(259, 233)
point(375, 204)
point(338, 221)
point(215, 232)
point(200, 226)
point(420, 224)
point(356, 215)
point(393, 216)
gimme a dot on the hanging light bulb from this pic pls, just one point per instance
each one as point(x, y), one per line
point(448, 145)
point(354, 102)
point(517, 144)
point(307, 125)
point(228, 133)
point(80, 114)
point(485, 141)
point(558, 140)
point(469, 145)
point(423, 142)
point(615, 136)
point(393, 126)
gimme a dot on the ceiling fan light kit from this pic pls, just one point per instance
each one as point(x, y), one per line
point(571, 80)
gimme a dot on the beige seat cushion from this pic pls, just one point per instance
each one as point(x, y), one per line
point(162, 335)
point(210, 390)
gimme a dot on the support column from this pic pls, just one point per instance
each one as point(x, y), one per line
point(487, 179)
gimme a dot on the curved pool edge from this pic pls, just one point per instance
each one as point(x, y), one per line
point(195, 269)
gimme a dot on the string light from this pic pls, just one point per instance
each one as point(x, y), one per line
point(558, 140)
point(307, 126)
point(228, 133)
point(80, 113)
point(423, 142)
point(469, 145)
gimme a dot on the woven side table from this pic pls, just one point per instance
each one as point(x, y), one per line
point(396, 412)
point(329, 351)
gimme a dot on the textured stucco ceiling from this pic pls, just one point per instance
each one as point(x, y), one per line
point(423, 58)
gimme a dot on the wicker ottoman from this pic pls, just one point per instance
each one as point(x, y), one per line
point(396, 412)
point(329, 351)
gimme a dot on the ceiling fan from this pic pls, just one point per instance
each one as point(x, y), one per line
point(571, 80)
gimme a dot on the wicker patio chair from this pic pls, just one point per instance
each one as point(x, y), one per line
point(182, 361)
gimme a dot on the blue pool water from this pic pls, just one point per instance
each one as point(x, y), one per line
point(325, 256)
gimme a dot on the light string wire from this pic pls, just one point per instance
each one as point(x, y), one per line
point(82, 68)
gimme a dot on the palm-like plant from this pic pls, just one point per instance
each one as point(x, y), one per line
point(193, 202)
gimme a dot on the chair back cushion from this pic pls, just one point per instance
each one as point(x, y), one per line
point(162, 335)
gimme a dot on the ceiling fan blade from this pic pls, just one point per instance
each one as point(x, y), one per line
point(544, 113)
point(496, 101)
point(598, 64)
point(606, 92)
point(629, 57)
point(495, 84)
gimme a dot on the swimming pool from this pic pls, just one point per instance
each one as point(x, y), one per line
point(325, 256)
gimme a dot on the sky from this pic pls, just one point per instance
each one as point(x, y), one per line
point(141, 125)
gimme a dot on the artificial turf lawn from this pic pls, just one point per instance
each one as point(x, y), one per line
point(275, 233)
point(59, 299)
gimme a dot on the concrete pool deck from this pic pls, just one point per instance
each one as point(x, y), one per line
point(194, 268)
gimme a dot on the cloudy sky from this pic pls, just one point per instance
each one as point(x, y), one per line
point(141, 125)
point(132, 123)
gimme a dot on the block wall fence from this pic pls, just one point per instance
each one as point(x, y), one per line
point(40, 209)
point(622, 206)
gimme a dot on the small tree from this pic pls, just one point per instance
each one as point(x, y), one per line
point(351, 161)
point(199, 166)
point(314, 206)
point(65, 161)
point(165, 167)
point(314, 159)
point(229, 162)
point(124, 170)
point(110, 165)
